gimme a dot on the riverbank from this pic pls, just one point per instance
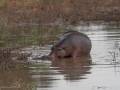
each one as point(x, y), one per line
point(32, 12)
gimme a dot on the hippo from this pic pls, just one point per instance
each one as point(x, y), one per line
point(72, 44)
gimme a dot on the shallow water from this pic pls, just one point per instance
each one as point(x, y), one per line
point(100, 71)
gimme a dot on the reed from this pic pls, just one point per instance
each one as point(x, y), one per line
point(115, 53)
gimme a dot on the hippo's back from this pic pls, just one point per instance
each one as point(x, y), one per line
point(76, 37)
point(76, 40)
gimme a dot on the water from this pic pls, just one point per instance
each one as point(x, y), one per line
point(105, 41)
point(100, 71)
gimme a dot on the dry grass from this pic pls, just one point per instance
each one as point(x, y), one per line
point(6, 61)
point(46, 11)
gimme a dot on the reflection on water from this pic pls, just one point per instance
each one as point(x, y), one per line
point(68, 69)
point(69, 73)
point(73, 69)
point(53, 72)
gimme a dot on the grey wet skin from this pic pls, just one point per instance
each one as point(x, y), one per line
point(72, 44)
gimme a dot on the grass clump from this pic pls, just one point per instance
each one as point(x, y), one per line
point(42, 68)
point(2, 3)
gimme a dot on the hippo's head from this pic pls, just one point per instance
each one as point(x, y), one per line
point(57, 52)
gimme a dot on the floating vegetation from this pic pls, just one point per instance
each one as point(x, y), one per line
point(42, 68)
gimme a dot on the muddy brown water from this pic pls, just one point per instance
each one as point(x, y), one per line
point(100, 71)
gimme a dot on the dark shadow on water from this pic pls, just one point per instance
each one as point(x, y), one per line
point(73, 68)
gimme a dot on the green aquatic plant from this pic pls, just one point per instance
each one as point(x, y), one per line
point(111, 27)
point(23, 86)
point(42, 68)
point(26, 5)
point(93, 63)
point(32, 86)
point(2, 43)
